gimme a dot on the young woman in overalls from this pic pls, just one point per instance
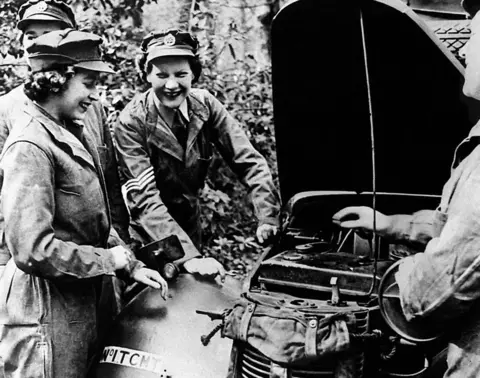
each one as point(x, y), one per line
point(57, 219)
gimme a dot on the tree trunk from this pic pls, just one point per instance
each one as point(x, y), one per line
point(186, 8)
point(266, 21)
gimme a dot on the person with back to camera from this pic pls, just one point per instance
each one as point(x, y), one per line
point(165, 139)
point(444, 280)
point(57, 219)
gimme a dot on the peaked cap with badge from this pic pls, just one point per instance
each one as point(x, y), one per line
point(69, 47)
point(169, 42)
point(45, 10)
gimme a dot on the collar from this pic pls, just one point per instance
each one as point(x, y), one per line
point(466, 147)
point(183, 108)
point(475, 131)
point(43, 112)
point(60, 133)
point(72, 124)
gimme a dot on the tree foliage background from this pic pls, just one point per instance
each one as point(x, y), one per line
point(234, 51)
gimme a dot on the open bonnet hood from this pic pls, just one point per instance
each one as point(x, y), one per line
point(341, 66)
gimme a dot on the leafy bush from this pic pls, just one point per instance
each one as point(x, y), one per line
point(230, 224)
point(245, 89)
point(12, 67)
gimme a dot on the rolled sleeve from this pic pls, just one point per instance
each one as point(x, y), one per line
point(447, 274)
point(247, 163)
point(416, 229)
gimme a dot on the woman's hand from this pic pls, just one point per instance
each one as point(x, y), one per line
point(361, 218)
point(266, 232)
point(121, 256)
point(151, 278)
point(208, 267)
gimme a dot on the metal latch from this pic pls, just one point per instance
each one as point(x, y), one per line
point(335, 299)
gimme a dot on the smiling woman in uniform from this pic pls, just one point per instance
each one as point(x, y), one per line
point(165, 140)
point(57, 219)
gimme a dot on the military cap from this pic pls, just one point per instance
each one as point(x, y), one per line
point(45, 10)
point(70, 47)
point(169, 42)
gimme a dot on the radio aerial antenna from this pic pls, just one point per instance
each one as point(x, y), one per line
point(372, 145)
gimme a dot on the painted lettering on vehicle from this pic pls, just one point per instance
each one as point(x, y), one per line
point(133, 358)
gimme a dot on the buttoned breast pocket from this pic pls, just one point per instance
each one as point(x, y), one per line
point(77, 189)
point(70, 190)
point(68, 198)
point(69, 177)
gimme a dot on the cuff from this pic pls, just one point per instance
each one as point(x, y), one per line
point(127, 273)
point(108, 262)
point(399, 227)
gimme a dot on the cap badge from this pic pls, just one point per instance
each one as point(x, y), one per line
point(41, 6)
point(169, 40)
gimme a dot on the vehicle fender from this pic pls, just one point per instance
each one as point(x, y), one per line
point(157, 338)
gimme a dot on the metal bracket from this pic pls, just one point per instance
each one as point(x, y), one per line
point(336, 298)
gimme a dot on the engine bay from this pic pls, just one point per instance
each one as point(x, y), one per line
point(318, 269)
point(328, 264)
point(316, 258)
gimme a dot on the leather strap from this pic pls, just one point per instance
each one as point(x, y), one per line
point(245, 322)
point(311, 338)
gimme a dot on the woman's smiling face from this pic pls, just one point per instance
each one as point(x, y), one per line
point(79, 94)
point(171, 78)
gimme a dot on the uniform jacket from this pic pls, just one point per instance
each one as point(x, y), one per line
point(57, 219)
point(95, 123)
point(161, 181)
point(444, 280)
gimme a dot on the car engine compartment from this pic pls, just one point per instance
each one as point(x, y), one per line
point(321, 270)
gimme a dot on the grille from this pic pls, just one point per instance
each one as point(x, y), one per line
point(256, 365)
point(453, 33)
point(253, 364)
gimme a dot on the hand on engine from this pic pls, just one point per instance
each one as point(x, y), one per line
point(360, 218)
point(151, 278)
point(266, 233)
point(208, 267)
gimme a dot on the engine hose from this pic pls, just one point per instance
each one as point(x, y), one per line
point(363, 337)
point(388, 356)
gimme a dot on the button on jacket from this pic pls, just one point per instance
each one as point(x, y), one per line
point(444, 280)
point(161, 180)
point(57, 221)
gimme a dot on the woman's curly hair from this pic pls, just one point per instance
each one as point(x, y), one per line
point(144, 69)
point(39, 85)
